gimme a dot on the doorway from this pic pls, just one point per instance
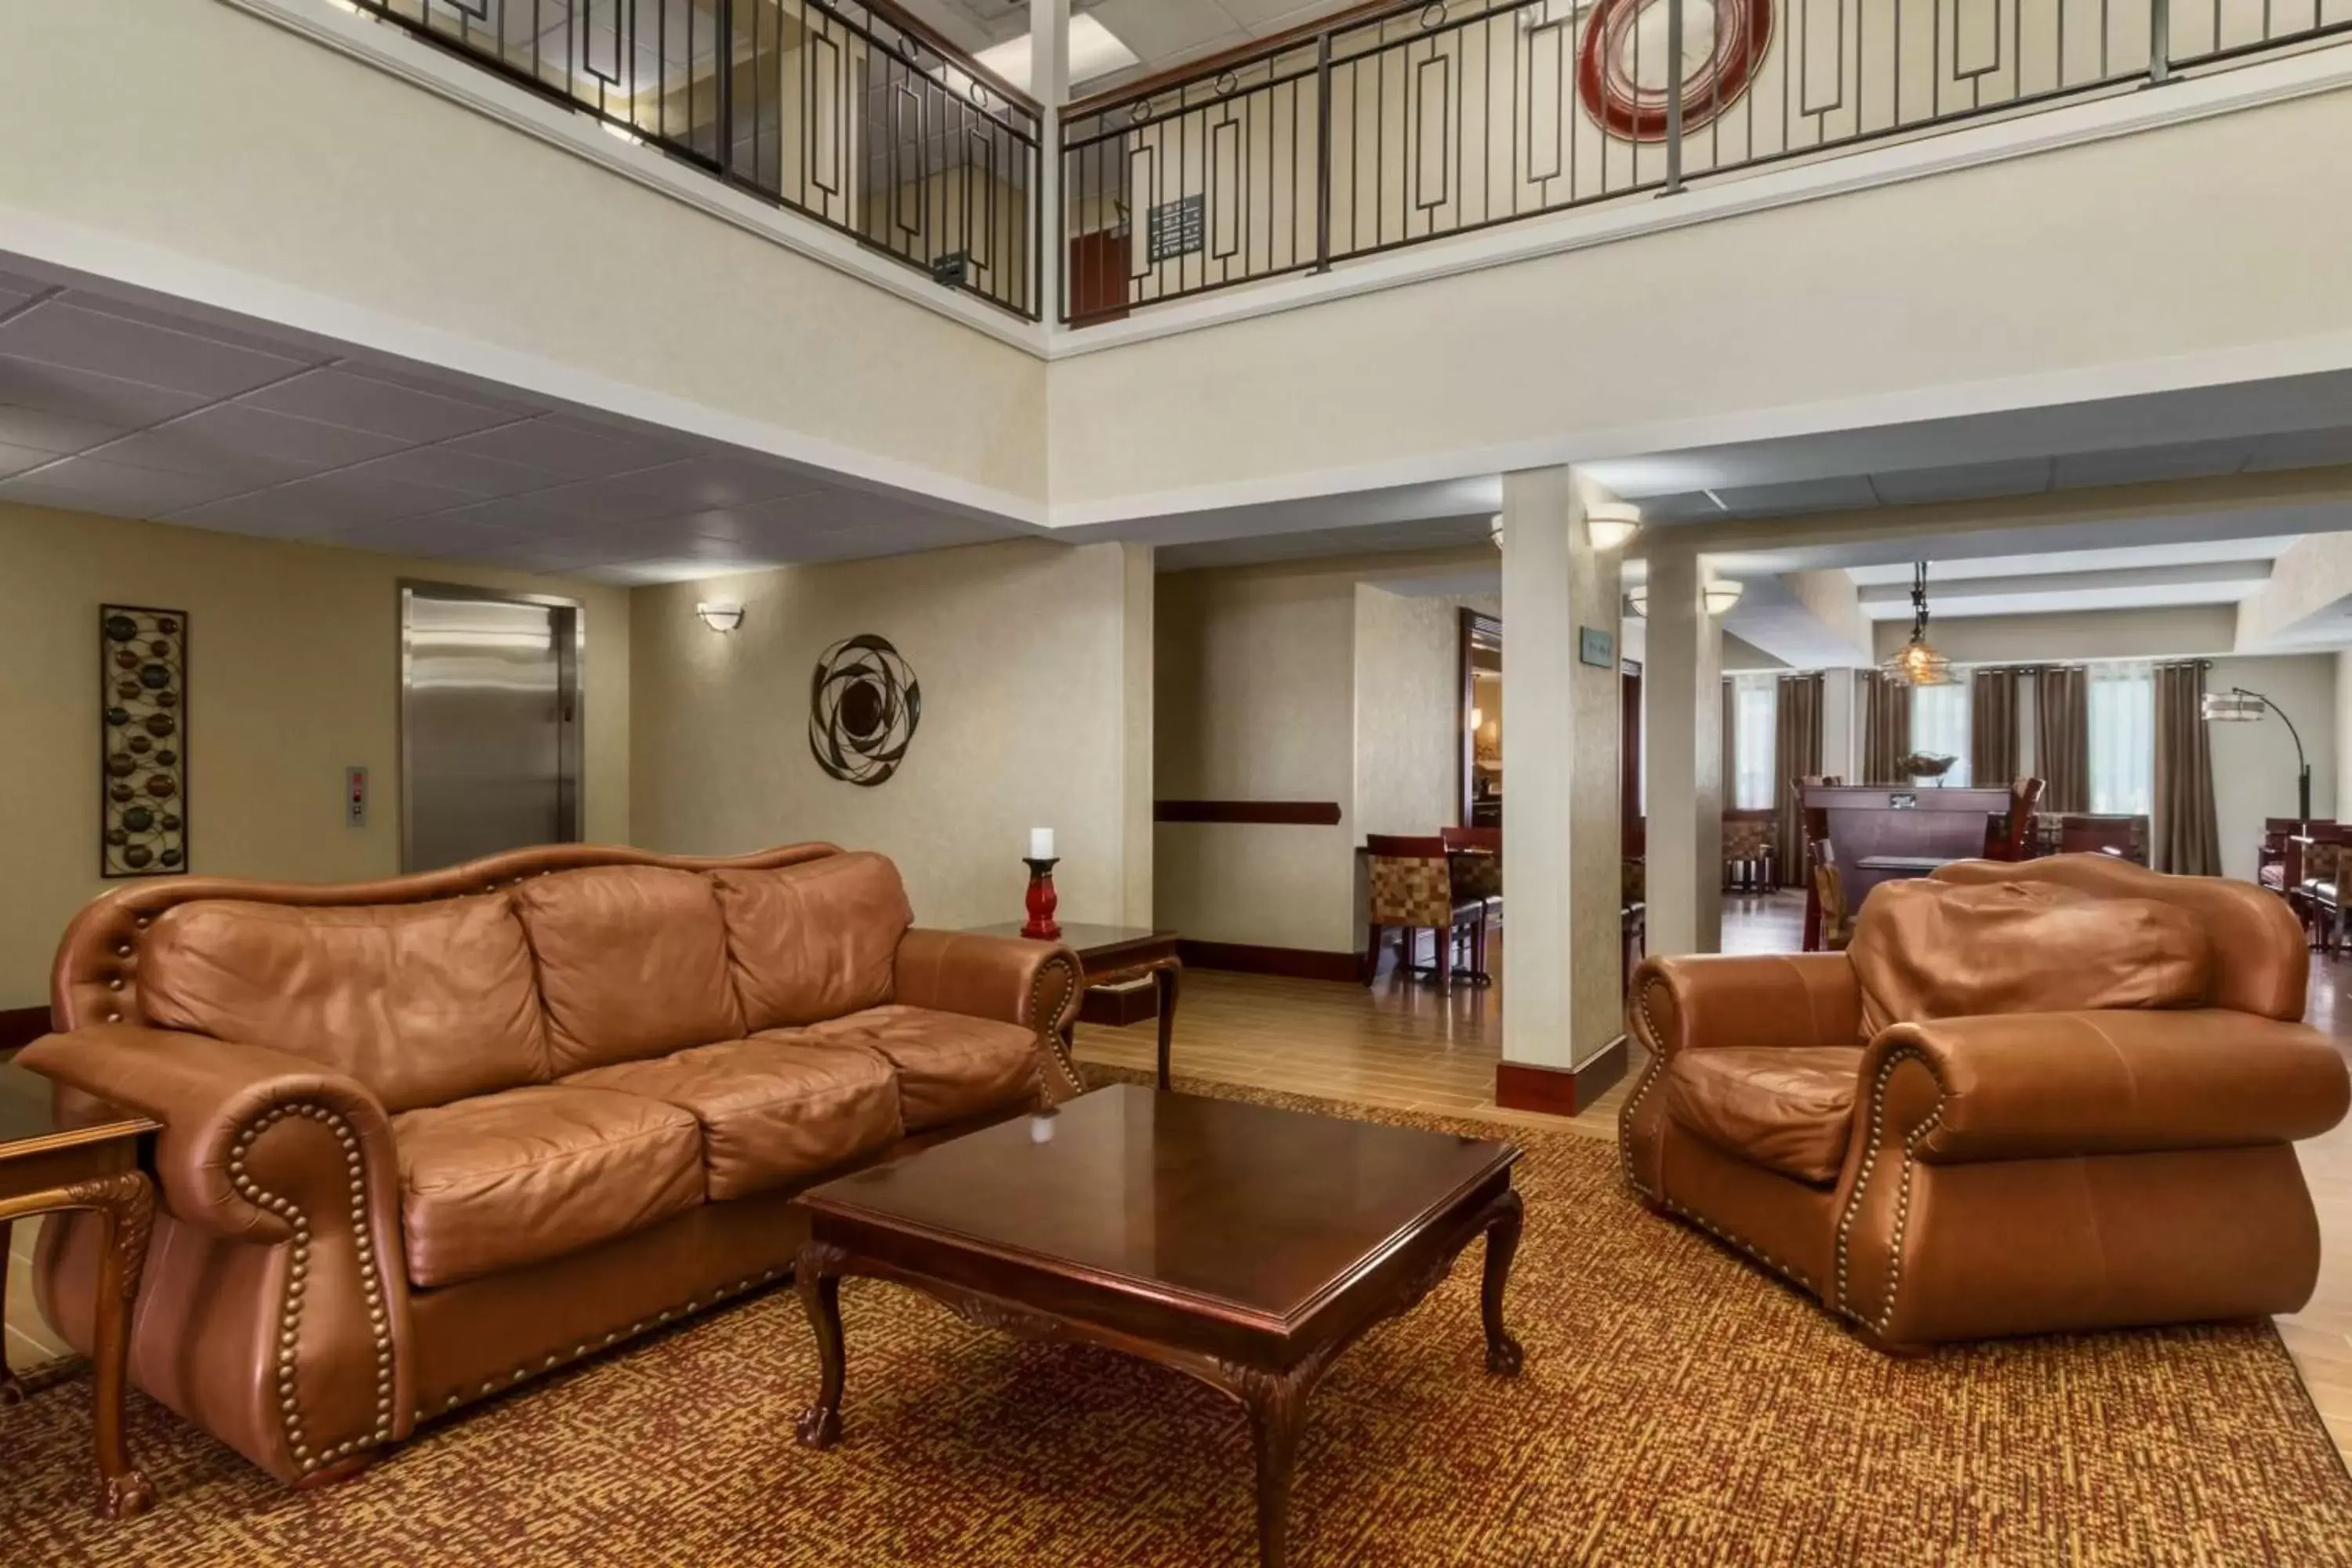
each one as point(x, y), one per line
point(1481, 721)
point(490, 722)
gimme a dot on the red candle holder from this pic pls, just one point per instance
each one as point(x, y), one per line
point(1042, 901)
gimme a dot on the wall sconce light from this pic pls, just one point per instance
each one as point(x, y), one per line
point(1722, 595)
point(1495, 529)
point(1637, 599)
point(720, 615)
point(1611, 524)
point(1478, 718)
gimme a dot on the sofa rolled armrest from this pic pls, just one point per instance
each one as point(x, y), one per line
point(1036, 985)
point(213, 1099)
point(2041, 1085)
point(1748, 1000)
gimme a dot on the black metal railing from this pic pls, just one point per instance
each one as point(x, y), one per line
point(843, 111)
point(1424, 121)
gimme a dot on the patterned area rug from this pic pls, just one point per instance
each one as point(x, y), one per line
point(1677, 1406)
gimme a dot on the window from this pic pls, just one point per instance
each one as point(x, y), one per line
point(1754, 725)
point(1939, 725)
point(2123, 739)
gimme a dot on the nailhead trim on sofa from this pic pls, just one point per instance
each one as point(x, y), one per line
point(1911, 1141)
point(1049, 1034)
point(291, 1317)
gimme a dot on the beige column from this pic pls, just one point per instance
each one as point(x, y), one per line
point(1136, 643)
point(1681, 719)
point(1563, 1000)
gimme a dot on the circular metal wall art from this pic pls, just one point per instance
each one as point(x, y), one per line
point(1622, 75)
point(864, 705)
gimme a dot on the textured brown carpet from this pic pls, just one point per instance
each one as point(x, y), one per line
point(1677, 1407)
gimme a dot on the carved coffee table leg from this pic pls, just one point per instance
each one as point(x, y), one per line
point(820, 1293)
point(1278, 1408)
point(1505, 1216)
point(127, 1206)
point(1164, 980)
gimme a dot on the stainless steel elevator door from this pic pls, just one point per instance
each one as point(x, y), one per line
point(488, 723)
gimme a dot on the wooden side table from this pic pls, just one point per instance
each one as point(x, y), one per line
point(1120, 955)
point(48, 1166)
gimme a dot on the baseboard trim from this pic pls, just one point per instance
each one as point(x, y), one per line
point(21, 1026)
point(1559, 1091)
point(1292, 963)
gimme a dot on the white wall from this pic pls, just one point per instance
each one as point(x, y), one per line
point(2183, 631)
point(1020, 649)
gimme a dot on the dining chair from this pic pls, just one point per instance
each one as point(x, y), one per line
point(2081, 833)
point(1412, 891)
point(2322, 854)
point(1474, 856)
point(2007, 837)
point(2278, 864)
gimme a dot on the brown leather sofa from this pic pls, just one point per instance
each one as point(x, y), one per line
point(2060, 1094)
point(427, 1138)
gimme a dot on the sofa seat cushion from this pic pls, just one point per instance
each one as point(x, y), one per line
point(509, 1179)
point(1789, 1111)
point(771, 1111)
point(632, 963)
point(949, 1066)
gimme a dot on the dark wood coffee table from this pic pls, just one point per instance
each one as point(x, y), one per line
point(1244, 1246)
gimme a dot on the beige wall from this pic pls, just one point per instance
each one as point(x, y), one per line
point(1408, 709)
point(1255, 699)
point(2254, 765)
point(443, 222)
point(293, 676)
point(1020, 649)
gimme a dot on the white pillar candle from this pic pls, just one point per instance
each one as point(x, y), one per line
point(1040, 843)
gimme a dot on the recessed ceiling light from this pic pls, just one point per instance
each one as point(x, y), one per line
point(1093, 52)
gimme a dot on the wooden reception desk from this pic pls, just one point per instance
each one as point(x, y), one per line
point(1879, 834)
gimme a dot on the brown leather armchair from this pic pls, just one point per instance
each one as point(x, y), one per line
point(425, 1139)
point(2032, 1168)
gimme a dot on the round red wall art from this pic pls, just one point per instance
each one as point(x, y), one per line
point(1623, 74)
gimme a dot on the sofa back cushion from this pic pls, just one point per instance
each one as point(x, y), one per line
point(816, 941)
point(422, 1002)
point(1925, 949)
point(632, 962)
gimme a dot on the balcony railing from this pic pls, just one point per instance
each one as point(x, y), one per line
point(851, 113)
point(1413, 122)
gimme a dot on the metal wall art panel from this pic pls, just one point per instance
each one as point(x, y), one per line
point(864, 705)
point(142, 741)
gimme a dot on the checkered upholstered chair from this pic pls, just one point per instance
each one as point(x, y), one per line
point(1412, 891)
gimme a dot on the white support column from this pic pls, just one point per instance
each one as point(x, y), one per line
point(1683, 701)
point(1563, 1000)
point(1838, 739)
point(1049, 84)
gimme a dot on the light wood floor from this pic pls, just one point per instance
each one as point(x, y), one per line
point(1402, 1044)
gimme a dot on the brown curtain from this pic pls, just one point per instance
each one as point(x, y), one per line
point(2182, 835)
point(2062, 738)
point(1993, 727)
point(1886, 728)
point(1796, 753)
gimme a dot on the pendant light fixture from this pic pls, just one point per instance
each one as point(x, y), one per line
point(1918, 663)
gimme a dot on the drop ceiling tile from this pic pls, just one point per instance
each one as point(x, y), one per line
point(1799, 495)
point(445, 467)
point(1157, 29)
point(720, 479)
point(54, 333)
point(434, 535)
point(99, 400)
point(373, 403)
point(193, 321)
point(2143, 465)
point(1689, 506)
point(329, 503)
point(88, 484)
point(1264, 17)
point(2296, 449)
point(569, 450)
point(52, 432)
point(1970, 482)
point(15, 459)
point(233, 439)
point(522, 515)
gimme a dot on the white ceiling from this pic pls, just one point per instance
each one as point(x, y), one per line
point(1163, 33)
point(125, 409)
point(2200, 572)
